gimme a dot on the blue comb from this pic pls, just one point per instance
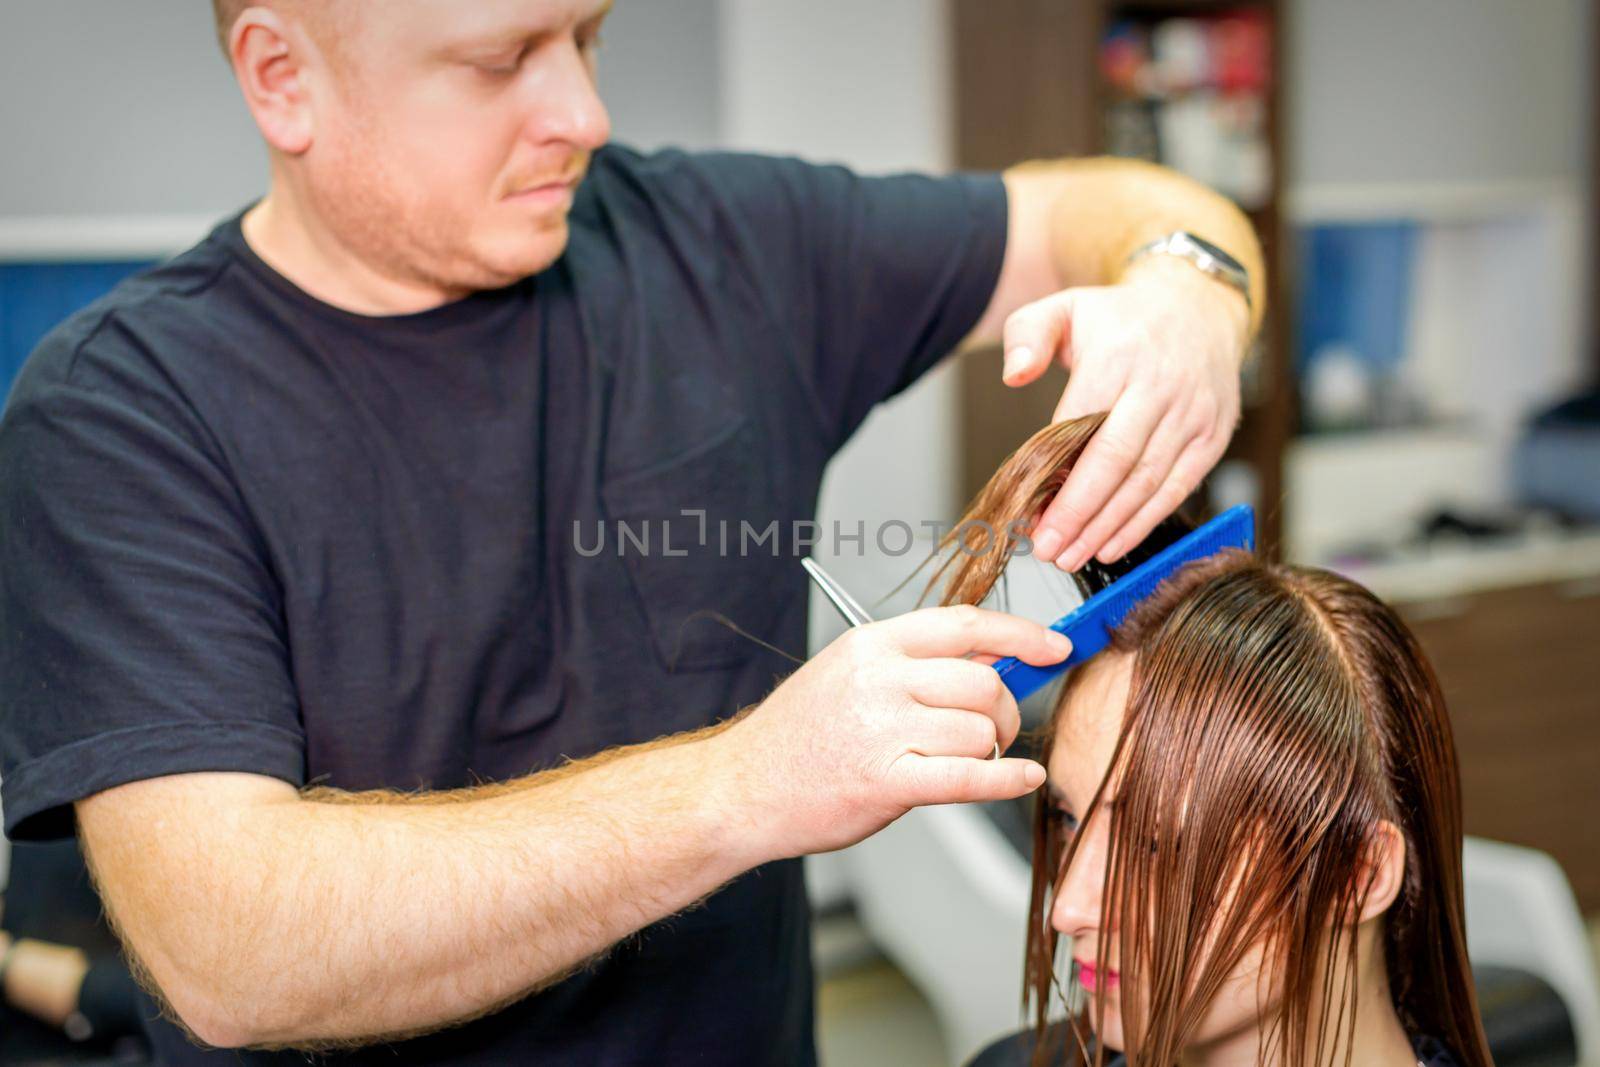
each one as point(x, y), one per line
point(1089, 625)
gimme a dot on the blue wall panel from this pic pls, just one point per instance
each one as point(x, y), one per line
point(34, 297)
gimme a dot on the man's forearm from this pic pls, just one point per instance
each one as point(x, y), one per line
point(1098, 211)
point(329, 919)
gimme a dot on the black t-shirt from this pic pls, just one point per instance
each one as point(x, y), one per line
point(242, 530)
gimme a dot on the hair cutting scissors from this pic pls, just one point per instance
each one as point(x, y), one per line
point(853, 613)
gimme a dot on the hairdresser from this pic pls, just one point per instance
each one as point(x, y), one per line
point(304, 633)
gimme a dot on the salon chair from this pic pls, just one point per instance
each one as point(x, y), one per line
point(943, 893)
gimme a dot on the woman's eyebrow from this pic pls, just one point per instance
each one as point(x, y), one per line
point(1058, 797)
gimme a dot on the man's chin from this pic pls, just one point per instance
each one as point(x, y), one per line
point(511, 258)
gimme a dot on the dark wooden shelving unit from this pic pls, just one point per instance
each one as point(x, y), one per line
point(1028, 86)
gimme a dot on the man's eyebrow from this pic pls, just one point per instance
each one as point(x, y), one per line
point(485, 40)
point(507, 36)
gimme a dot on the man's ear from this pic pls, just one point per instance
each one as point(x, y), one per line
point(270, 55)
point(1384, 869)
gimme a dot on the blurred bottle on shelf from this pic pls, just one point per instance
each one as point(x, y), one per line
point(1354, 324)
point(1192, 93)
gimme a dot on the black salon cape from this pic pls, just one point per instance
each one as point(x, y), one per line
point(1017, 1051)
point(242, 530)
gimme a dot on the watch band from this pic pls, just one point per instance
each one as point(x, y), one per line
point(1203, 254)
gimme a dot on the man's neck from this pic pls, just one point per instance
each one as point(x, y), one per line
point(279, 230)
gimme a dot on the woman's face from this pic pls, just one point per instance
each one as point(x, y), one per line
point(1085, 738)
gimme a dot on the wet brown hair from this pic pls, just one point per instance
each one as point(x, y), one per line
point(1276, 716)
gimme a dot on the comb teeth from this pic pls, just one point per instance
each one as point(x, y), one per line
point(1090, 624)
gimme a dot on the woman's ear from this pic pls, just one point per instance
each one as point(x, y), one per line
point(1384, 869)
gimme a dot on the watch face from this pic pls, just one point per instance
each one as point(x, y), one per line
point(1212, 250)
point(1204, 255)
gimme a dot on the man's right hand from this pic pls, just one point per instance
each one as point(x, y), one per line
point(889, 717)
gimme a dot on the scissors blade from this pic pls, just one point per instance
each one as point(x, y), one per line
point(853, 613)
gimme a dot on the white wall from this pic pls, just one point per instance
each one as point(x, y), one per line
point(116, 108)
point(661, 72)
point(862, 83)
point(1437, 90)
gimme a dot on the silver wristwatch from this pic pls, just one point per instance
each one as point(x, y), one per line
point(1203, 254)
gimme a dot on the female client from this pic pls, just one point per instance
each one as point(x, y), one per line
point(1252, 831)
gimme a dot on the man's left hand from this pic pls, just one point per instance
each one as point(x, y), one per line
point(1161, 352)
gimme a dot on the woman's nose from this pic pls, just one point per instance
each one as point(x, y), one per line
point(1076, 907)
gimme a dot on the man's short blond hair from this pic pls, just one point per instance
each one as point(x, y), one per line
point(326, 19)
point(227, 13)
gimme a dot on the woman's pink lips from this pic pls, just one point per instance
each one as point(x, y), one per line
point(1089, 976)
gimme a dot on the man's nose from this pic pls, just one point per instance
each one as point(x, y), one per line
point(1076, 907)
point(565, 105)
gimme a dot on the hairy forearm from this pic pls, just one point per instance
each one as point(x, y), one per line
point(1098, 211)
point(325, 919)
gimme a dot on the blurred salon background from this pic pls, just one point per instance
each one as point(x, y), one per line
point(1422, 411)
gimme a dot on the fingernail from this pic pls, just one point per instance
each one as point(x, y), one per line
point(1047, 544)
point(1033, 774)
point(1072, 558)
point(1060, 644)
point(1110, 554)
point(1016, 360)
